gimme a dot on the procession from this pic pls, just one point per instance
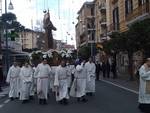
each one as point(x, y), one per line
point(63, 81)
point(75, 56)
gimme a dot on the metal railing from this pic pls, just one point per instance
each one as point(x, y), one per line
point(114, 27)
point(102, 6)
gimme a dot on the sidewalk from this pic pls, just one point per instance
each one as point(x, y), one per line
point(123, 80)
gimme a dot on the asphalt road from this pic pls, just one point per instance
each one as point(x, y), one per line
point(108, 99)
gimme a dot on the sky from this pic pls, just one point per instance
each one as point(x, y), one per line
point(63, 14)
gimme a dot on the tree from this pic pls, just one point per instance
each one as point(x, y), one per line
point(84, 52)
point(136, 38)
point(9, 21)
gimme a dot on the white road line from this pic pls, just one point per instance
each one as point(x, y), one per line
point(6, 101)
point(1, 105)
point(130, 90)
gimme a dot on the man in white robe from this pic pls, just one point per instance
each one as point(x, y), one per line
point(13, 80)
point(26, 78)
point(32, 88)
point(52, 78)
point(78, 88)
point(90, 71)
point(70, 70)
point(61, 84)
point(42, 73)
point(144, 87)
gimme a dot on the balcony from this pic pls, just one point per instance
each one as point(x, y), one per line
point(138, 14)
point(90, 26)
point(102, 7)
point(114, 27)
point(103, 36)
point(114, 1)
point(103, 22)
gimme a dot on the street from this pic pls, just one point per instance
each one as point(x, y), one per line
point(108, 99)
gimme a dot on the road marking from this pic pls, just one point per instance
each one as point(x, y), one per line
point(122, 87)
point(1, 105)
point(6, 101)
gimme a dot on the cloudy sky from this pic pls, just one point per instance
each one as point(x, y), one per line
point(63, 14)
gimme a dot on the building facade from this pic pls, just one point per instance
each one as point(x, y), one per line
point(28, 39)
point(85, 28)
point(121, 15)
point(111, 16)
point(101, 20)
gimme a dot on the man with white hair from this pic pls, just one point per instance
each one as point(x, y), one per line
point(13, 80)
point(42, 73)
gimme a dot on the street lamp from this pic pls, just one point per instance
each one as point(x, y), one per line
point(10, 7)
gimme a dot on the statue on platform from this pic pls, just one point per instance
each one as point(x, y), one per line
point(48, 26)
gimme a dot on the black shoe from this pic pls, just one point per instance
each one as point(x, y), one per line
point(44, 101)
point(17, 98)
point(84, 100)
point(11, 98)
point(78, 99)
point(24, 101)
point(91, 94)
point(40, 101)
point(65, 102)
point(31, 98)
point(87, 94)
point(60, 102)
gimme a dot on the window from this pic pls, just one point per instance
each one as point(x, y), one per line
point(116, 19)
point(128, 6)
point(92, 11)
point(141, 2)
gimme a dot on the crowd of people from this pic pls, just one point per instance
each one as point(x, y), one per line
point(64, 81)
point(68, 80)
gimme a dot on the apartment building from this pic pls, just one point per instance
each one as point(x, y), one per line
point(117, 18)
point(101, 20)
point(121, 14)
point(85, 28)
point(28, 39)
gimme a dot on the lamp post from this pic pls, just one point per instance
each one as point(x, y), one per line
point(10, 7)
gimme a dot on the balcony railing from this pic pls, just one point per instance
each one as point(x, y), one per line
point(103, 35)
point(102, 20)
point(102, 7)
point(114, 1)
point(140, 11)
point(113, 28)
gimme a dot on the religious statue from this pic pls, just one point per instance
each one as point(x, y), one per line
point(48, 26)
